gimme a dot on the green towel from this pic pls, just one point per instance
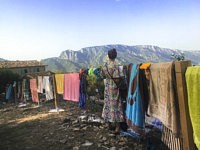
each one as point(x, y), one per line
point(193, 88)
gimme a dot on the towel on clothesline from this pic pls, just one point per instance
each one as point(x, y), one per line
point(59, 83)
point(90, 72)
point(26, 89)
point(9, 92)
point(163, 103)
point(40, 87)
point(33, 87)
point(48, 88)
point(145, 66)
point(193, 89)
point(96, 72)
point(71, 87)
point(134, 109)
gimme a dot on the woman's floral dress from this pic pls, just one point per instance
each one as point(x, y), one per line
point(112, 109)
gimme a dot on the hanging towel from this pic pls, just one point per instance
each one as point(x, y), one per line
point(90, 72)
point(82, 98)
point(40, 88)
point(193, 88)
point(9, 92)
point(144, 90)
point(33, 87)
point(59, 83)
point(19, 92)
point(145, 66)
point(163, 103)
point(71, 87)
point(48, 88)
point(170, 141)
point(134, 109)
point(96, 72)
point(26, 89)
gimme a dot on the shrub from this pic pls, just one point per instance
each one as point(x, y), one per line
point(94, 84)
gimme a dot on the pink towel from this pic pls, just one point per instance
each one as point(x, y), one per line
point(71, 87)
point(33, 87)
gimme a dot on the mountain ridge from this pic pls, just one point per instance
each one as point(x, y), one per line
point(71, 61)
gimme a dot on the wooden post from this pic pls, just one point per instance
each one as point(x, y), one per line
point(22, 96)
point(185, 121)
point(38, 103)
point(15, 95)
point(54, 90)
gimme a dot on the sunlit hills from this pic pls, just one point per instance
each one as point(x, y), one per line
point(73, 60)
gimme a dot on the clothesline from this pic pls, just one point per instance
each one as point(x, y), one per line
point(94, 67)
point(53, 74)
point(45, 73)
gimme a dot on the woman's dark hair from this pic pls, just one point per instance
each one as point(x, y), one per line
point(112, 53)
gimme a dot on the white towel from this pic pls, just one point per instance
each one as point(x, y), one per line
point(48, 88)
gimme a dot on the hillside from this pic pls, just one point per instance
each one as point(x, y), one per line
point(70, 60)
point(1, 59)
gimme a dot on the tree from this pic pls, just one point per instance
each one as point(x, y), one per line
point(178, 57)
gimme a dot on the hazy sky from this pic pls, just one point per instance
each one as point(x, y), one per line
point(38, 29)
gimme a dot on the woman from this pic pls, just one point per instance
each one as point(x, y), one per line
point(112, 109)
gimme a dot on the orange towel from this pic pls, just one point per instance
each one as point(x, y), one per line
point(145, 66)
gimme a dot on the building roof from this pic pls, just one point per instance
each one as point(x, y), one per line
point(35, 74)
point(20, 64)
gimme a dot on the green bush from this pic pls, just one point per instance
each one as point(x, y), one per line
point(93, 84)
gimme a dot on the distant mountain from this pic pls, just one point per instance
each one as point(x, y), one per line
point(1, 59)
point(70, 60)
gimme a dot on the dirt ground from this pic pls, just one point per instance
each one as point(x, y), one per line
point(36, 128)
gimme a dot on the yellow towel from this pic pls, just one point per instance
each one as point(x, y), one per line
point(193, 88)
point(59, 83)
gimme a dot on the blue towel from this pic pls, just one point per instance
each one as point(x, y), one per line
point(134, 113)
point(96, 72)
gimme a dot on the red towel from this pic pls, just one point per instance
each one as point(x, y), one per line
point(33, 87)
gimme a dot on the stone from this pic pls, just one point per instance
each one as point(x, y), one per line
point(104, 138)
point(87, 143)
point(112, 148)
point(85, 128)
point(76, 129)
point(75, 148)
point(63, 141)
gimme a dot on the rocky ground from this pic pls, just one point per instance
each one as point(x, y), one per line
point(36, 128)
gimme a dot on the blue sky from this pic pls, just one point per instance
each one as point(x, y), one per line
point(38, 29)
